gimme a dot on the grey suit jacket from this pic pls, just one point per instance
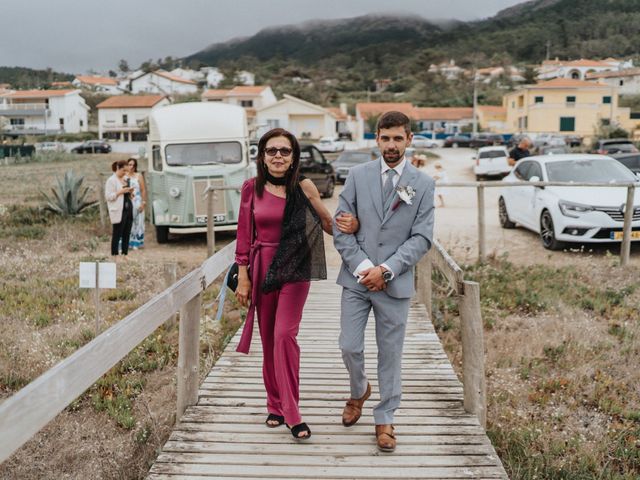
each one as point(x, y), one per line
point(398, 238)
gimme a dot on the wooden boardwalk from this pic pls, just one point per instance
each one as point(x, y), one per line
point(224, 435)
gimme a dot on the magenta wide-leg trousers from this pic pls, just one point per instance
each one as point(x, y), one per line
point(279, 315)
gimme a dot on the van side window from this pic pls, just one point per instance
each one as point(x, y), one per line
point(522, 170)
point(157, 158)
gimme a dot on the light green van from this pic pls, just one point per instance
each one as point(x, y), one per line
point(192, 146)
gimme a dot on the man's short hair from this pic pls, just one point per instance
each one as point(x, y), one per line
point(394, 119)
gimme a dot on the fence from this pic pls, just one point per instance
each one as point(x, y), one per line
point(30, 409)
point(625, 249)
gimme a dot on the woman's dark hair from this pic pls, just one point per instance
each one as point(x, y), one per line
point(118, 164)
point(394, 119)
point(292, 174)
point(135, 163)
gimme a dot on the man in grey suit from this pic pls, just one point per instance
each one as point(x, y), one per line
point(394, 203)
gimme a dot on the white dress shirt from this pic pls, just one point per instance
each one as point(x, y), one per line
point(366, 263)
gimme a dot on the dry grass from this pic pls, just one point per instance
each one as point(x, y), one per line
point(114, 430)
point(562, 355)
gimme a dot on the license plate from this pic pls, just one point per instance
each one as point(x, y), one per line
point(618, 235)
point(216, 218)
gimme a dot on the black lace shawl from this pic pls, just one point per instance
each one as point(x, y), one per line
point(300, 254)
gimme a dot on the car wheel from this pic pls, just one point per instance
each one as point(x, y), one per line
point(454, 145)
point(328, 193)
point(504, 216)
point(548, 233)
point(162, 234)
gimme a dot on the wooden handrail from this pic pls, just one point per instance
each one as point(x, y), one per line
point(468, 293)
point(30, 409)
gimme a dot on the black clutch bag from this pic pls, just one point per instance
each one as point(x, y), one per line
point(232, 277)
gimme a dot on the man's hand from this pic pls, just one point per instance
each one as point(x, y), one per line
point(347, 223)
point(372, 279)
point(511, 161)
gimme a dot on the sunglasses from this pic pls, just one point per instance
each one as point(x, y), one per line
point(273, 151)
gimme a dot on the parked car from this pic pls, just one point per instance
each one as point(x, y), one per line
point(348, 159)
point(491, 161)
point(553, 150)
point(629, 160)
point(607, 146)
point(92, 146)
point(569, 214)
point(549, 139)
point(50, 147)
point(573, 140)
point(420, 141)
point(330, 145)
point(455, 141)
point(486, 140)
point(315, 167)
point(345, 136)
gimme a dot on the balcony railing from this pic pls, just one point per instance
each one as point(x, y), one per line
point(24, 109)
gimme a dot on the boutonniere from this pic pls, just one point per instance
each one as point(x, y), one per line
point(406, 194)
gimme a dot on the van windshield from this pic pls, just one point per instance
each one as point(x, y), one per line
point(203, 153)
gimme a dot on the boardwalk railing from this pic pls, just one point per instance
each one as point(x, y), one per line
point(30, 409)
point(468, 293)
point(625, 249)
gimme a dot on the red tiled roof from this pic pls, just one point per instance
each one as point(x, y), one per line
point(565, 83)
point(492, 108)
point(94, 80)
point(173, 78)
point(616, 73)
point(131, 101)
point(336, 112)
point(444, 113)
point(40, 93)
point(247, 90)
point(372, 109)
point(216, 93)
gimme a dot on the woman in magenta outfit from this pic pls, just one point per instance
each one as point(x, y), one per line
point(279, 250)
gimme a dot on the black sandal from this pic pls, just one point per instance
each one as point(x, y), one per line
point(274, 418)
point(296, 430)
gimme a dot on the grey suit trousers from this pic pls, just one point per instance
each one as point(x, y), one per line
point(391, 320)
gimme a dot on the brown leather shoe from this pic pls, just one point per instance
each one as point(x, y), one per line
point(385, 438)
point(353, 408)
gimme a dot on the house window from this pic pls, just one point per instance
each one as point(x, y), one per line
point(606, 99)
point(156, 157)
point(605, 122)
point(621, 83)
point(273, 123)
point(571, 99)
point(61, 122)
point(246, 103)
point(513, 104)
point(538, 99)
point(81, 123)
point(567, 124)
point(17, 121)
point(521, 101)
point(125, 119)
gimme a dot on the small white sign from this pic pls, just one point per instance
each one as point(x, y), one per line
point(107, 273)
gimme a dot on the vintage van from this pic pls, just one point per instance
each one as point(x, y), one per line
point(192, 146)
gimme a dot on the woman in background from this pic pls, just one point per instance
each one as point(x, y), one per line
point(139, 200)
point(118, 195)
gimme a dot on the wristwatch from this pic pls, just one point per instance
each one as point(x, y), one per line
point(386, 274)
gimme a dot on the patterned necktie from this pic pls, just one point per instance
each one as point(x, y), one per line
point(387, 189)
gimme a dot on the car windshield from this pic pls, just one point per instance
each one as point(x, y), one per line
point(354, 157)
point(203, 153)
point(588, 171)
point(493, 154)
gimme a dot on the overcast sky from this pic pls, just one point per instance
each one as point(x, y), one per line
point(78, 35)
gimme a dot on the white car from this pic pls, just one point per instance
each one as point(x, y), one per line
point(491, 161)
point(420, 141)
point(50, 147)
point(330, 145)
point(569, 214)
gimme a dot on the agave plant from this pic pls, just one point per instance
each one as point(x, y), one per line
point(69, 196)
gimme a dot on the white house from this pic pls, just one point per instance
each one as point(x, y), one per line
point(303, 119)
point(33, 112)
point(578, 69)
point(449, 70)
point(213, 76)
point(97, 84)
point(187, 73)
point(252, 98)
point(626, 81)
point(161, 82)
point(126, 117)
point(486, 75)
point(246, 78)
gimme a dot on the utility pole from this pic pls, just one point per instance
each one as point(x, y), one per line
point(475, 103)
point(548, 49)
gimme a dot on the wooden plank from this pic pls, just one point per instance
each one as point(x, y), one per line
point(40, 401)
point(447, 266)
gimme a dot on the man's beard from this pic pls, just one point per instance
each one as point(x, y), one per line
point(391, 156)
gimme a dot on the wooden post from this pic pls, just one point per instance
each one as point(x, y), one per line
point(428, 286)
point(211, 235)
point(481, 225)
point(423, 282)
point(475, 395)
point(170, 277)
point(625, 248)
point(96, 298)
point(188, 358)
point(102, 202)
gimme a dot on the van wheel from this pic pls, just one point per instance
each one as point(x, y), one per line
point(328, 193)
point(162, 234)
point(548, 233)
point(504, 216)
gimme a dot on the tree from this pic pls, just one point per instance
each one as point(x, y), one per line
point(112, 74)
point(123, 66)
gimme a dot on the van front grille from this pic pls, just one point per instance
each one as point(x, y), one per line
point(200, 200)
